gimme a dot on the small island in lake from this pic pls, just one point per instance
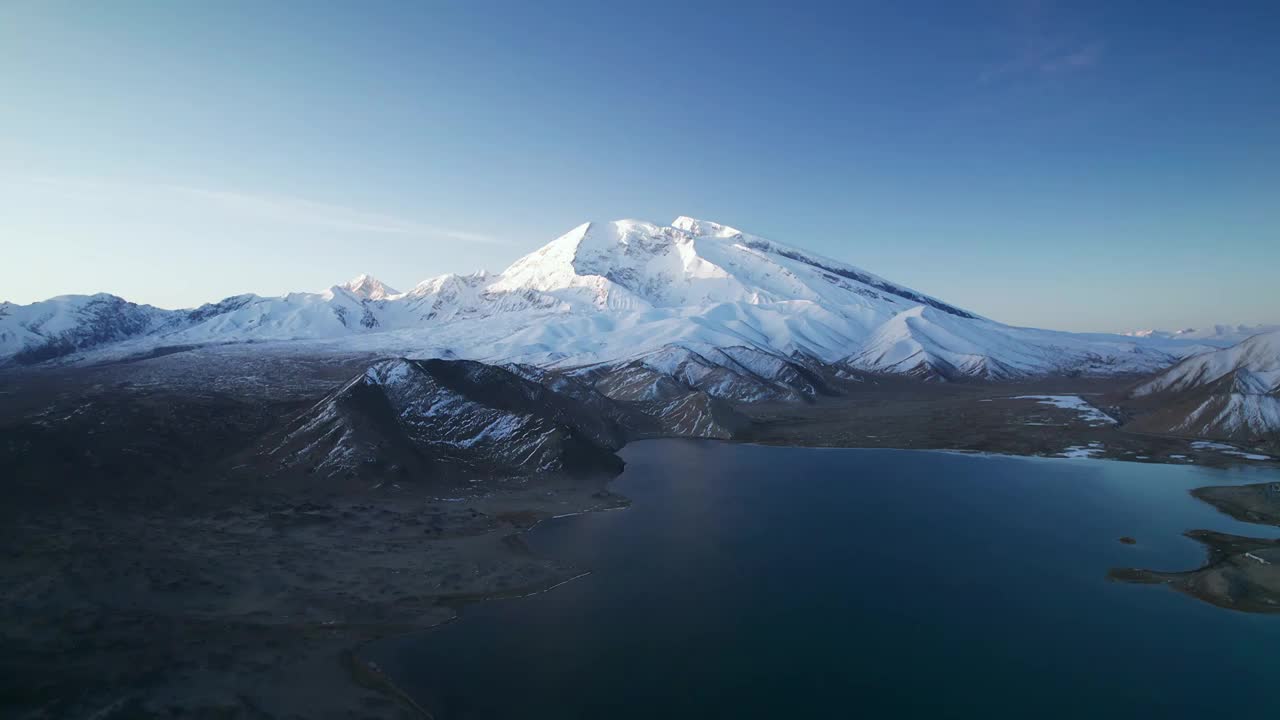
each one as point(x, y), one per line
point(1242, 573)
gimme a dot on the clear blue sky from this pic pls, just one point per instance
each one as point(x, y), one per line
point(1099, 166)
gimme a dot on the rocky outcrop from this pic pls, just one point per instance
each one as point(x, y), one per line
point(425, 418)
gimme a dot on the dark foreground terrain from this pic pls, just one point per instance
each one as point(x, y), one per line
point(161, 557)
point(255, 607)
point(157, 561)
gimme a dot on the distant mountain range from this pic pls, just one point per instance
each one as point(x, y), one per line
point(610, 294)
point(1216, 333)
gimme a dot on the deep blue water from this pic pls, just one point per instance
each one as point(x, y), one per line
point(749, 581)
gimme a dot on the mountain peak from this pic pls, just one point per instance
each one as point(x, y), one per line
point(633, 264)
point(370, 287)
point(703, 228)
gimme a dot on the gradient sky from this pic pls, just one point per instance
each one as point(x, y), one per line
point(1083, 166)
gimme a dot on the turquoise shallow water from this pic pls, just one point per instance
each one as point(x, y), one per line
point(753, 581)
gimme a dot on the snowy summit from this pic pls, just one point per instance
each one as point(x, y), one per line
point(369, 287)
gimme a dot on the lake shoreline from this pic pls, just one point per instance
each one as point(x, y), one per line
point(412, 685)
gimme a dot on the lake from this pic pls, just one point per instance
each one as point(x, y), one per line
point(749, 581)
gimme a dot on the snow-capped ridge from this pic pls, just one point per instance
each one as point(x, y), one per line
point(1229, 394)
point(1259, 356)
point(1243, 381)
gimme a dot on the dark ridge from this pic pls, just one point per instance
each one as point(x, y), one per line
point(151, 354)
point(860, 277)
point(500, 388)
point(34, 355)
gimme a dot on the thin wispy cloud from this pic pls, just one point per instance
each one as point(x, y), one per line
point(267, 208)
point(1036, 46)
point(1045, 58)
point(1083, 58)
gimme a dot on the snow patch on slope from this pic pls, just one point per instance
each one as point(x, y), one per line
point(1087, 412)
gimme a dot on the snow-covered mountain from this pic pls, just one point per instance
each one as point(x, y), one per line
point(1216, 333)
point(69, 323)
point(1256, 361)
point(612, 293)
point(1232, 393)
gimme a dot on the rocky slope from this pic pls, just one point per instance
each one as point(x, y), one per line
point(405, 418)
point(429, 418)
point(740, 374)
